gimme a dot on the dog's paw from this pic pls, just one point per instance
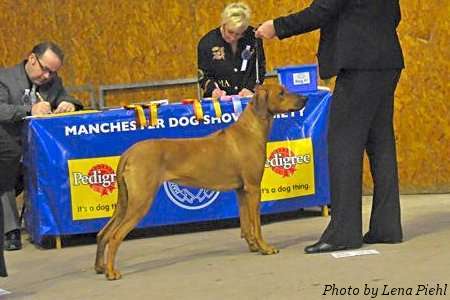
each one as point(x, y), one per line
point(253, 248)
point(113, 275)
point(99, 269)
point(269, 250)
point(252, 245)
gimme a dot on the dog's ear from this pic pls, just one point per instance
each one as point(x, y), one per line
point(260, 100)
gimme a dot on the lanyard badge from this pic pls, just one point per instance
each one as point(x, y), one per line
point(245, 55)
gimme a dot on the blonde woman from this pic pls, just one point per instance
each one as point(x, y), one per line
point(227, 55)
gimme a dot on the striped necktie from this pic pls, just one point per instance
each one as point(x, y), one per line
point(33, 97)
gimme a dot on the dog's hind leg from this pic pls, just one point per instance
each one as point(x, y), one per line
point(252, 198)
point(102, 240)
point(139, 202)
point(105, 234)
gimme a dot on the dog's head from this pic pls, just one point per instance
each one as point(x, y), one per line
point(271, 99)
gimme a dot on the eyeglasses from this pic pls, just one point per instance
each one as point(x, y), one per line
point(45, 69)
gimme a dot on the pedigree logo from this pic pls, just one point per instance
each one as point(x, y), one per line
point(283, 161)
point(93, 187)
point(101, 178)
point(289, 170)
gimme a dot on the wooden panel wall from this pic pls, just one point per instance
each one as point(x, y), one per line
point(129, 41)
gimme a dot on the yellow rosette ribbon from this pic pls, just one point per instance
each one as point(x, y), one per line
point(217, 107)
point(154, 114)
point(198, 110)
point(141, 120)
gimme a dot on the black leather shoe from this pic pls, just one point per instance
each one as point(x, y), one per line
point(13, 240)
point(367, 239)
point(321, 247)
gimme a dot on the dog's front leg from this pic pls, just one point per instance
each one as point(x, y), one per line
point(249, 199)
point(247, 231)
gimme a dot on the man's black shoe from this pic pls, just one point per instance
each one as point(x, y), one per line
point(322, 247)
point(13, 240)
point(367, 239)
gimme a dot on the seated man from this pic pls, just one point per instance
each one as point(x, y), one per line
point(30, 88)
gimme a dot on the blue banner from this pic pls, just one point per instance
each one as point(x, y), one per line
point(68, 157)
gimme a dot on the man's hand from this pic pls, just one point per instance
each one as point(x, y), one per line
point(266, 30)
point(245, 93)
point(64, 107)
point(41, 108)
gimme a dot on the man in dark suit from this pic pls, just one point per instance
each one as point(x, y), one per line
point(30, 88)
point(3, 187)
point(359, 45)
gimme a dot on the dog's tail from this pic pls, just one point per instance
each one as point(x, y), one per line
point(122, 192)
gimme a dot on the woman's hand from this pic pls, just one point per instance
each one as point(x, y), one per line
point(216, 93)
point(245, 93)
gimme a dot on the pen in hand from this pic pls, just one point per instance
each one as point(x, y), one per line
point(39, 97)
point(42, 110)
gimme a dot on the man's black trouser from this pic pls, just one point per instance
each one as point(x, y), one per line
point(361, 119)
point(10, 154)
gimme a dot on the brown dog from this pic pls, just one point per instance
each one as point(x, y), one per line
point(228, 159)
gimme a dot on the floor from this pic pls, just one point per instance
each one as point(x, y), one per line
point(215, 264)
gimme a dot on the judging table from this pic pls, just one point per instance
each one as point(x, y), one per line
point(70, 164)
